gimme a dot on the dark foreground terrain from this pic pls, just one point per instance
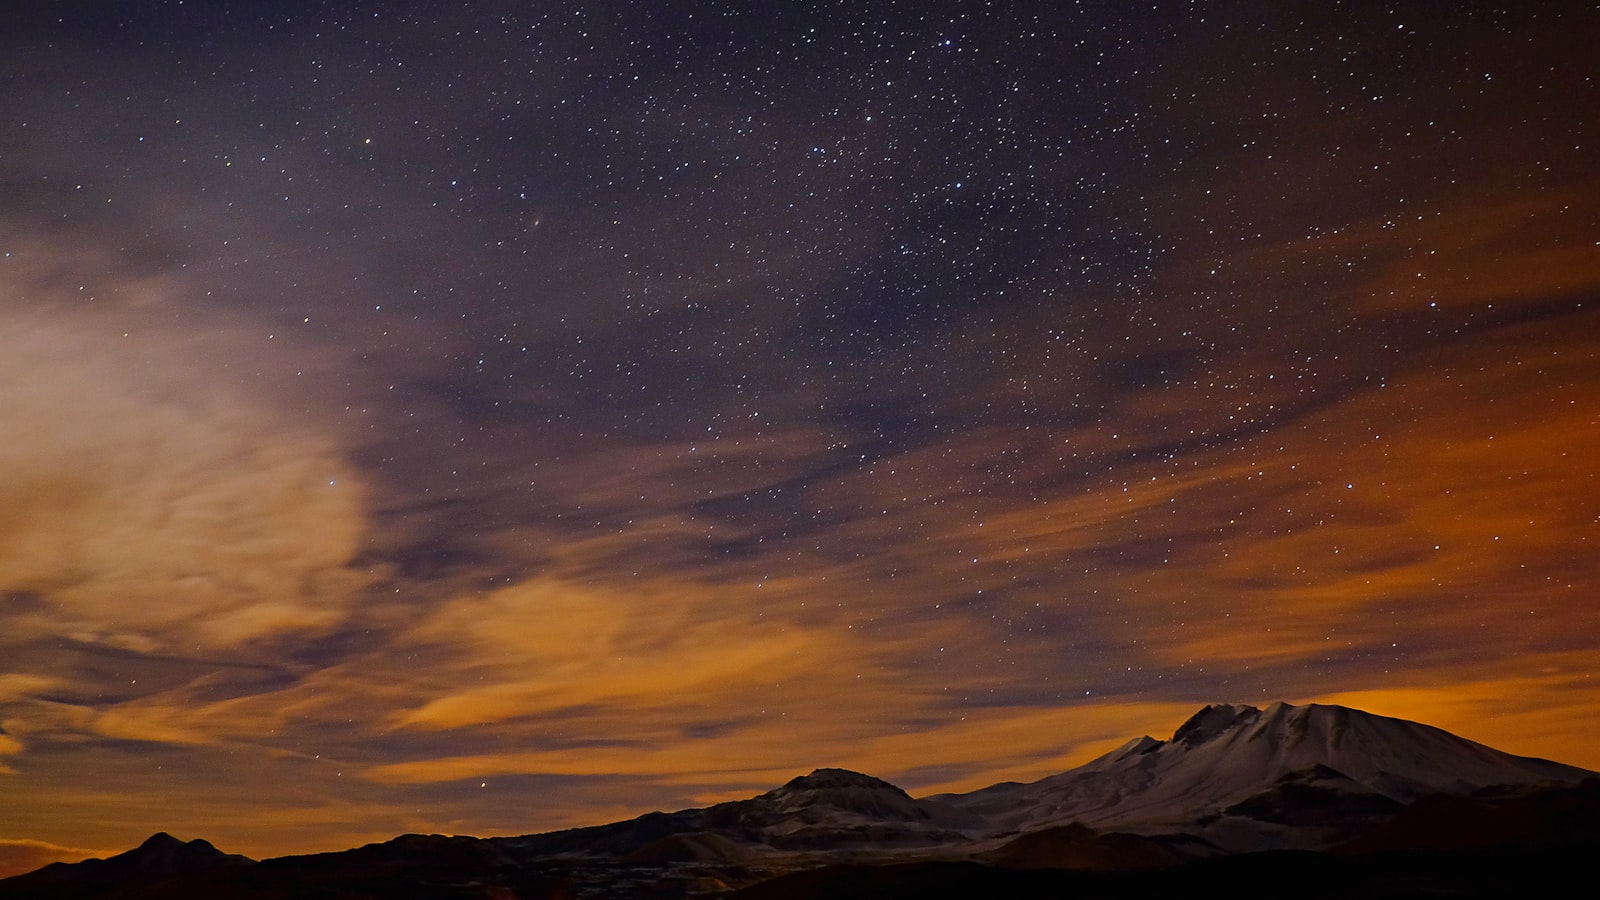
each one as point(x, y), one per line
point(1554, 869)
point(1551, 870)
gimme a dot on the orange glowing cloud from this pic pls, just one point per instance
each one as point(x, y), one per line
point(1546, 705)
point(18, 856)
point(152, 499)
point(584, 679)
point(1518, 250)
point(967, 751)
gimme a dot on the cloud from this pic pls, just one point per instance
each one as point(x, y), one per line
point(1519, 249)
point(152, 499)
point(9, 746)
point(15, 685)
point(1395, 516)
point(1544, 705)
point(546, 645)
point(1032, 742)
point(711, 686)
point(19, 856)
point(127, 726)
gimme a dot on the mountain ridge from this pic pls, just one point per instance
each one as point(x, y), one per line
point(1232, 779)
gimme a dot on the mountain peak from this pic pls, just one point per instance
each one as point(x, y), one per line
point(161, 852)
point(835, 779)
point(1214, 720)
point(838, 797)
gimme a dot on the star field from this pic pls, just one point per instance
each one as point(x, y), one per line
point(502, 417)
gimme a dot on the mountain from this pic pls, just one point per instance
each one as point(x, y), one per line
point(827, 810)
point(1383, 803)
point(1250, 779)
point(160, 854)
point(161, 857)
point(411, 866)
point(833, 807)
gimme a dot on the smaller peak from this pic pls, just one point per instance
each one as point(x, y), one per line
point(161, 852)
point(1136, 747)
point(1141, 745)
point(1213, 720)
point(829, 779)
point(160, 840)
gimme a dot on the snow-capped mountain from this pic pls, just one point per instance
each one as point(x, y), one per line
point(1241, 773)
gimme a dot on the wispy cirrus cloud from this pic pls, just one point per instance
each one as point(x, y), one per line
point(19, 856)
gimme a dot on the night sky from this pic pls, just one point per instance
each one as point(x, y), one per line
point(495, 417)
